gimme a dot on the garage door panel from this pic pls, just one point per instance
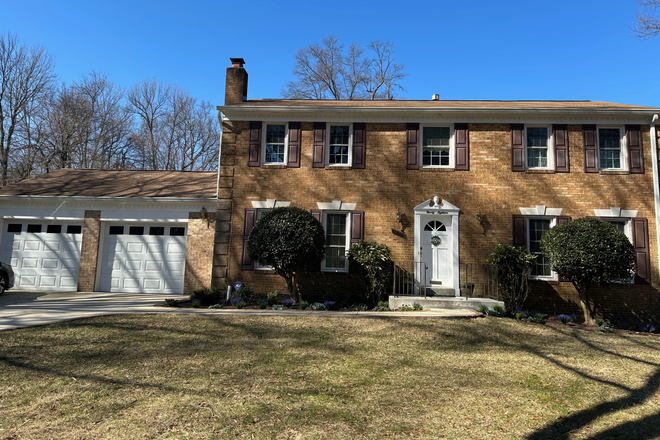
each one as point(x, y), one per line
point(50, 263)
point(68, 282)
point(52, 246)
point(48, 281)
point(28, 280)
point(29, 263)
point(14, 262)
point(16, 246)
point(31, 245)
point(143, 263)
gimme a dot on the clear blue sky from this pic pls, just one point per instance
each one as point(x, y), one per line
point(579, 49)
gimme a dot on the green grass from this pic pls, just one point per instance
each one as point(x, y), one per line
point(181, 376)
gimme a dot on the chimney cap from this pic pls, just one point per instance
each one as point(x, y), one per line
point(237, 62)
point(435, 97)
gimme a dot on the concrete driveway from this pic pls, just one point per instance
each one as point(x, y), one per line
point(20, 308)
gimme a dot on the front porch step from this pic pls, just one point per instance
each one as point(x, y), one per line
point(440, 291)
point(443, 302)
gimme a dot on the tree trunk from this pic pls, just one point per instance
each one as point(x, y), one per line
point(587, 311)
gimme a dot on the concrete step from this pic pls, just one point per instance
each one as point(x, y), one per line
point(443, 302)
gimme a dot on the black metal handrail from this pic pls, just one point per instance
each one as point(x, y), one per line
point(404, 280)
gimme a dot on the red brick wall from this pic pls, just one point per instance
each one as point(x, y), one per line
point(490, 187)
point(89, 251)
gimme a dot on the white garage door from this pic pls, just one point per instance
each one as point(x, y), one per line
point(44, 255)
point(145, 258)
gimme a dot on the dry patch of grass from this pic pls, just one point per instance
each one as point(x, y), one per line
point(180, 376)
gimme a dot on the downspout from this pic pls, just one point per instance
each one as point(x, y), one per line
point(656, 180)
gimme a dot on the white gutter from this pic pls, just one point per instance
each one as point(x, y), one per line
point(656, 180)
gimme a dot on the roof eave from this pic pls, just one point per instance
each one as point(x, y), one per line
point(9, 197)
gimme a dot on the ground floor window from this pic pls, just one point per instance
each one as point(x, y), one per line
point(537, 228)
point(336, 242)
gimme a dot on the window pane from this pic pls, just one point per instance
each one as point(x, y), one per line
point(335, 241)
point(275, 140)
point(34, 228)
point(136, 230)
point(14, 227)
point(54, 229)
point(338, 148)
point(178, 232)
point(436, 137)
point(537, 147)
point(74, 229)
point(536, 230)
point(156, 230)
point(609, 147)
point(435, 146)
point(116, 230)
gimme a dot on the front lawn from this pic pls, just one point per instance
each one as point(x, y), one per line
point(302, 377)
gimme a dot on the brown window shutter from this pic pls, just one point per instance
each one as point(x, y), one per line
point(254, 145)
point(640, 231)
point(318, 215)
point(294, 145)
point(412, 147)
point(590, 148)
point(357, 226)
point(318, 153)
point(517, 147)
point(520, 231)
point(359, 145)
point(560, 136)
point(562, 219)
point(635, 150)
point(462, 140)
point(250, 217)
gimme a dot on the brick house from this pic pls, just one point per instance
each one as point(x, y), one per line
point(466, 175)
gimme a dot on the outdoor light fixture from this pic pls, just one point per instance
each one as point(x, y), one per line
point(400, 219)
point(481, 219)
point(204, 213)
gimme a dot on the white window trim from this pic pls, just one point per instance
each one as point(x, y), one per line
point(553, 222)
point(350, 145)
point(348, 240)
point(258, 266)
point(263, 143)
point(628, 231)
point(550, 145)
point(452, 146)
point(622, 142)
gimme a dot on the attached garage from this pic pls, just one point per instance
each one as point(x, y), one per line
point(110, 231)
point(143, 258)
point(44, 255)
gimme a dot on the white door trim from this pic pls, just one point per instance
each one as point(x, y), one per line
point(432, 208)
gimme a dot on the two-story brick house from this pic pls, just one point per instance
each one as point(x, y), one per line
point(499, 172)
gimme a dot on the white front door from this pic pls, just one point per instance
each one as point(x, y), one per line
point(436, 245)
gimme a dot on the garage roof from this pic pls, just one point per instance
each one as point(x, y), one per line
point(102, 183)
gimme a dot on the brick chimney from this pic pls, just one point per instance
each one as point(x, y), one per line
point(237, 82)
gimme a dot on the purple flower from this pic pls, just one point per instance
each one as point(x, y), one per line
point(328, 304)
point(235, 301)
point(287, 302)
point(648, 328)
point(564, 318)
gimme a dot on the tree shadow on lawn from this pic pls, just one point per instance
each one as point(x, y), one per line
point(478, 338)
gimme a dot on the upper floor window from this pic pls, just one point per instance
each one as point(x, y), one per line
point(437, 148)
point(275, 144)
point(339, 151)
point(611, 147)
point(538, 147)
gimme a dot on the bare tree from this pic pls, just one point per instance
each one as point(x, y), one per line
point(324, 71)
point(26, 76)
point(648, 25)
point(175, 132)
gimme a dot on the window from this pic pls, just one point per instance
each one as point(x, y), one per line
point(14, 227)
point(537, 146)
point(336, 242)
point(156, 230)
point(116, 230)
point(73, 229)
point(54, 229)
point(537, 227)
point(258, 266)
point(437, 146)
point(275, 144)
point(339, 151)
point(136, 230)
point(611, 149)
point(34, 228)
point(176, 231)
